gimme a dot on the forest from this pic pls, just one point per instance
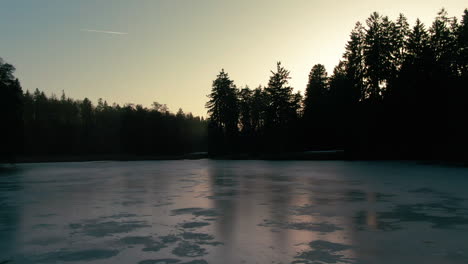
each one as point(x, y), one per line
point(41, 126)
point(399, 92)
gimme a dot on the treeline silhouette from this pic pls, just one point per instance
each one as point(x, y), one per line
point(10, 113)
point(398, 92)
point(34, 124)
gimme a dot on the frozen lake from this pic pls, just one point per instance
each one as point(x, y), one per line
point(207, 211)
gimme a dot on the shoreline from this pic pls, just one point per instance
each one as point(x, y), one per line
point(104, 157)
point(320, 155)
point(306, 155)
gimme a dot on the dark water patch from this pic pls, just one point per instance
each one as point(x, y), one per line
point(118, 216)
point(453, 202)
point(328, 246)
point(187, 249)
point(332, 182)
point(457, 255)
point(206, 213)
point(147, 241)
point(196, 261)
point(10, 187)
point(194, 224)
point(188, 180)
point(108, 228)
point(333, 197)
point(154, 247)
point(383, 197)
point(83, 255)
point(214, 243)
point(169, 239)
point(424, 190)
point(196, 236)
point(354, 196)
point(220, 197)
point(280, 178)
point(447, 213)
point(323, 252)
point(225, 181)
point(362, 222)
point(224, 191)
point(162, 204)
point(44, 226)
point(319, 257)
point(45, 215)
point(45, 241)
point(196, 211)
point(445, 198)
point(159, 261)
point(137, 240)
point(322, 227)
point(183, 211)
point(438, 214)
point(130, 203)
point(327, 200)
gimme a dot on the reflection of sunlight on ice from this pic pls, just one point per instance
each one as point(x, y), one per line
point(251, 211)
point(372, 220)
point(240, 224)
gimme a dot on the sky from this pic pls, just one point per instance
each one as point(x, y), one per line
point(170, 51)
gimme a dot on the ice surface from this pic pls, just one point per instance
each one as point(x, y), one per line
point(205, 211)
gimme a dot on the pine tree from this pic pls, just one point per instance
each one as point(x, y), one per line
point(378, 51)
point(316, 108)
point(354, 63)
point(282, 106)
point(316, 90)
point(443, 41)
point(462, 42)
point(418, 42)
point(400, 35)
point(223, 109)
point(340, 105)
point(11, 113)
point(223, 106)
point(245, 107)
point(258, 109)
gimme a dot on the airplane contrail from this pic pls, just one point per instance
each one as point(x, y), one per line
point(104, 31)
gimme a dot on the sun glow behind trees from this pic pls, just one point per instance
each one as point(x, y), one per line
point(398, 92)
